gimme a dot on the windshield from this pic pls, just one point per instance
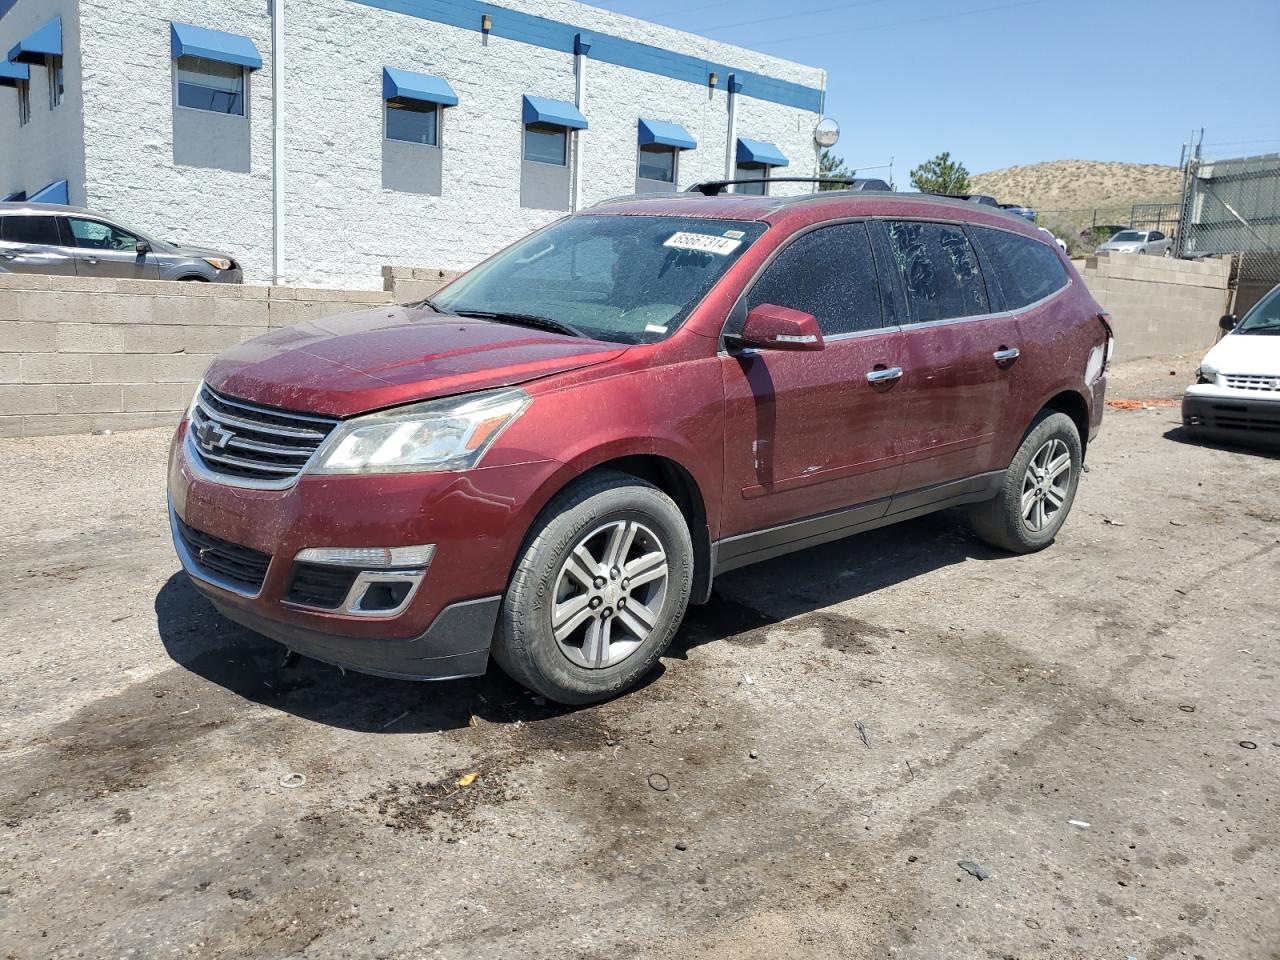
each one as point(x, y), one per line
point(1264, 317)
point(1128, 236)
point(628, 279)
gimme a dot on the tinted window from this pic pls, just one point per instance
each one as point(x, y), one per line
point(1026, 269)
point(755, 172)
point(100, 236)
point(657, 162)
point(546, 143)
point(210, 85)
point(939, 270)
point(829, 273)
point(37, 230)
point(412, 121)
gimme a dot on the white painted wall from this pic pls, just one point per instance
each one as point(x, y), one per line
point(51, 146)
point(341, 226)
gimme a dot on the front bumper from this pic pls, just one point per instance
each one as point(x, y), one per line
point(1213, 412)
point(476, 519)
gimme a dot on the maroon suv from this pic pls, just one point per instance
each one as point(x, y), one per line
point(554, 456)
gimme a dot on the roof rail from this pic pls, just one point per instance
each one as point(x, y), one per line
point(713, 188)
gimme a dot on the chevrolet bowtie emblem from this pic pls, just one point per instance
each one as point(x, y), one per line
point(211, 436)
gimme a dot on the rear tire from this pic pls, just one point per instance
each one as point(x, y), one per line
point(598, 592)
point(1038, 488)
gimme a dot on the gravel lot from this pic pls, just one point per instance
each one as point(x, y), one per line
point(1096, 727)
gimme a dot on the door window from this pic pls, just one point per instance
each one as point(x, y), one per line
point(939, 271)
point(100, 236)
point(1027, 270)
point(38, 231)
point(829, 273)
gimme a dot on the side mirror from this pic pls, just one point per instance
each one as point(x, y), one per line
point(143, 246)
point(1228, 322)
point(770, 327)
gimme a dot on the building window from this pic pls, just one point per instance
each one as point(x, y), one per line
point(758, 173)
point(657, 162)
point(57, 80)
point(546, 143)
point(413, 121)
point(211, 85)
point(24, 102)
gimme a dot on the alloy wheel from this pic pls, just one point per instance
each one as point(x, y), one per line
point(1045, 485)
point(609, 594)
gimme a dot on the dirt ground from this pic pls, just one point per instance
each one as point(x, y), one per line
point(1096, 729)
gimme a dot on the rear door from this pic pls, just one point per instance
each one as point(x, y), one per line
point(805, 431)
point(31, 243)
point(105, 250)
point(961, 353)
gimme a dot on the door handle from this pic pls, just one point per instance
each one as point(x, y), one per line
point(1006, 354)
point(884, 375)
point(92, 261)
point(9, 256)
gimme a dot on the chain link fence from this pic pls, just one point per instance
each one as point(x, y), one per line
point(1232, 207)
point(1084, 228)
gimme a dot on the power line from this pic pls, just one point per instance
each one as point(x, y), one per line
point(901, 23)
point(840, 7)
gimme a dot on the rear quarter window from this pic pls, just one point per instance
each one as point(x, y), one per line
point(1026, 269)
point(37, 230)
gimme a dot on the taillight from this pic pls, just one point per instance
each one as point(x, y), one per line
point(1111, 340)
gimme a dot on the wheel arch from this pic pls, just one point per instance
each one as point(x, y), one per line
point(1075, 406)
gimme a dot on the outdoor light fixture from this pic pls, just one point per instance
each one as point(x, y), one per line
point(826, 133)
point(713, 79)
point(486, 22)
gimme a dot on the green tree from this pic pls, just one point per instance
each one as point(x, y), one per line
point(829, 165)
point(941, 175)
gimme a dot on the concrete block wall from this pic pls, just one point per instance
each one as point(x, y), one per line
point(80, 354)
point(1159, 306)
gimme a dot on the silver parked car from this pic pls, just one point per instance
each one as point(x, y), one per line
point(51, 238)
point(1139, 241)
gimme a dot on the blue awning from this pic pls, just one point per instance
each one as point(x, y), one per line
point(667, 134)
point(188, 41)
point(758, 151)
point(55, 192)
point(33, 48)
point(559, 113)
point(406, 85)
point(20, 195)
point(11, 73)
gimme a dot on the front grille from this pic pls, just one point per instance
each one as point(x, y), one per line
point(320, 585)
point(223, 560)
point(251, 444)
point(1238, 418)
point(1267, 383)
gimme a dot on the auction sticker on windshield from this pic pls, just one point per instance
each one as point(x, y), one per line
point(721, 246)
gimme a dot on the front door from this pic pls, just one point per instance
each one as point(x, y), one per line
point(32, 244)
point(807, 433)
point(104, 250)
point(960, 355)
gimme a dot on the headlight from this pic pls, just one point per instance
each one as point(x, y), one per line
point(451, 434)
point(191, 407)
point(218, 263)
point(1206, 373)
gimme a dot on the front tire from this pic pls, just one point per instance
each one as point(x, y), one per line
point(599, 591)
point(1038, 489)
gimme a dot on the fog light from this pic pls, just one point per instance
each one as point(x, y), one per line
point(369, 558)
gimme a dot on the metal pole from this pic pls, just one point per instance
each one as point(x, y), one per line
point(277, 141)
point(731, 148)
point(579, 93)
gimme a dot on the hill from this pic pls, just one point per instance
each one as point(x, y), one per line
point(1080, 184)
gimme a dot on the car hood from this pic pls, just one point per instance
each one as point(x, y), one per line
point(1246, 353)
point(355, 363)
point(183, 250)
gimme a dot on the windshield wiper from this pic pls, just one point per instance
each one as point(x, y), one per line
point(524, 320)
point(428, 303)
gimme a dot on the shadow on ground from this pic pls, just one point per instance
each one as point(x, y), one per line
point(1180, 435)
point(256, 669)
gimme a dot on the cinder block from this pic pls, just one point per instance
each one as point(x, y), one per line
point(10, 366)
point(72, 423)
point(181, 367)
point(121, 367)
point(55, 368)
point(157, 396)
point(11, 426)
point(210, 339)
point(153, 338)
point(28, 337)
point(89, 398)
point(90, 338)
point(28, 398)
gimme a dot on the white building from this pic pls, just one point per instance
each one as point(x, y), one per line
point(412, 132)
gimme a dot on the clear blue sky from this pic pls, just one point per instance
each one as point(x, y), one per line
point(1004, 82)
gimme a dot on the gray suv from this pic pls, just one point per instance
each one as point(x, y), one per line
point(51, 238)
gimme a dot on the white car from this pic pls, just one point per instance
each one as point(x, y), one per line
point(1139, 241)
point(1062, 244)
point(1236, 395)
